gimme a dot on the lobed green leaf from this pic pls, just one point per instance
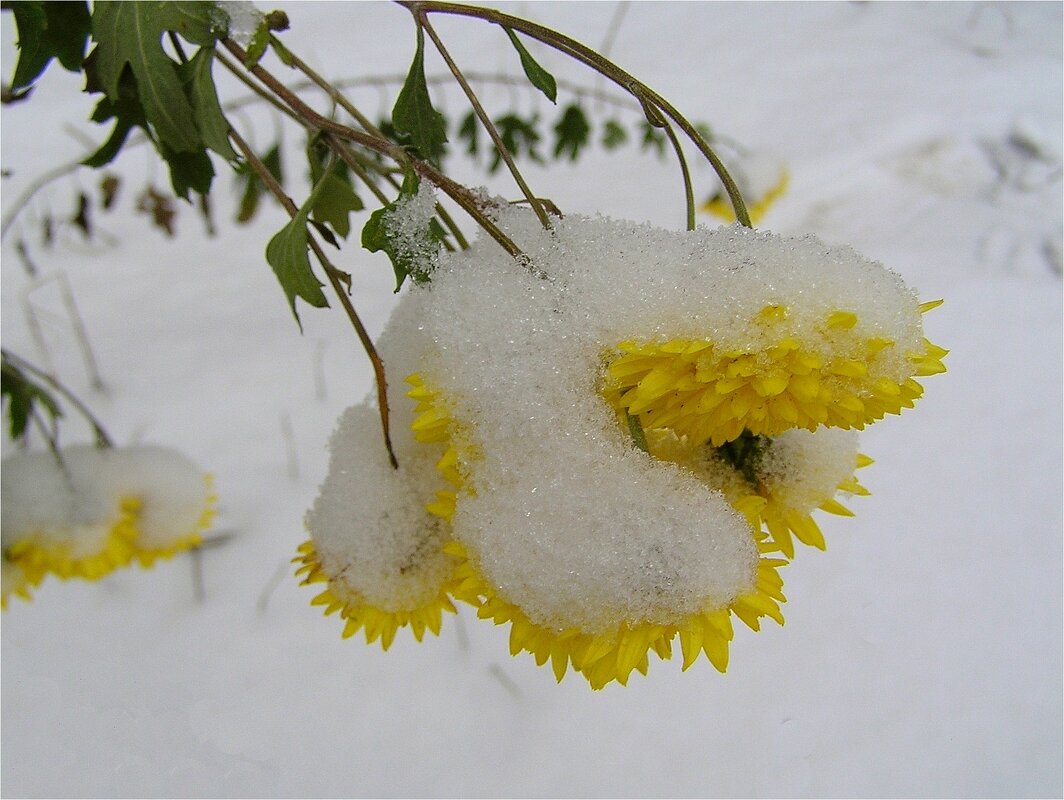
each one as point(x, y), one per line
point(414, 113)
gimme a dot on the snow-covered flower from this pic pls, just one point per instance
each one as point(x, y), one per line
point(92, 510)
point(612, 452)
point(373, 544)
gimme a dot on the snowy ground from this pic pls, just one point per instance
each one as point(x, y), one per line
point(922, 652)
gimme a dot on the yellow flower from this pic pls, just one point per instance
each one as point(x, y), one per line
point(88, 551)
point(601, 656)
point(777, 501)
point(15, 581)
point(720, 206)
point(378, 623)
point(611, 655)
point(148, 547)
point(833, 375)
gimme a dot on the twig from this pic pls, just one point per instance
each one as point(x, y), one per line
point(331, 272)
point(482, 115)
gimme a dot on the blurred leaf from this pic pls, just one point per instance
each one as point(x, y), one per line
point(469, 131)
point(614, 135)
point(48, 30)
point(253, 186)
point(161, 209)
point(81, 217)
point(414, 113)
point(518, 135)
point(653, 139)
point(21, 395)
point(572, 132)
point(127, 113)
point(211, 122)
point(536, 75)
point(287, 254)
point(375, 237)
point(109, 184)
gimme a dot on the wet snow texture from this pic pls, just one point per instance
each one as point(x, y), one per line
point(927, 636)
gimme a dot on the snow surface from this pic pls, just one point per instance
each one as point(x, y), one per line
point(922, 652)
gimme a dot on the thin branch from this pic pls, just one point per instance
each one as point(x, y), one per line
point(332, 273)
point(469, 202)
point(604, 66)
point(485, 120)
point(689, 189)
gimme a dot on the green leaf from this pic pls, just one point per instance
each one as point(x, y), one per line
point(536, 75)
point(256, 48)
point(653, 139)
point(210, 121)
point(188, 171)
point(517, 135)
point(22, 394)
point(48, 30)
point(33, 54)
point(69, 26)
point(335, 203)
point(127, 113)
point(414, 113)
point(613, 135)
point(131, 33)
point(287, 254)
point(572, 131)
point(469, 130)
point(375, 237)
point(253, 186)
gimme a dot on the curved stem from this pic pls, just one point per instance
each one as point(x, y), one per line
point(485, 120)
point(604, 66)
point(689, 189)
point(332, 273)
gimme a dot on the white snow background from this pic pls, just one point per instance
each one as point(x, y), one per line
point(922, 651)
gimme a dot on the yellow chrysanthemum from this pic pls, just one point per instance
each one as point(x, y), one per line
point(378, 623)
point(720, 206)
point(74, 557)
point(15, 582)
point(602, 657)
point(764, 501)
point(146, 555)
point(612, 655)
point(704, 392)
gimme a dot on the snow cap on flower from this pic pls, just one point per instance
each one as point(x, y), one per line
point(373, 543)
point(92, 510)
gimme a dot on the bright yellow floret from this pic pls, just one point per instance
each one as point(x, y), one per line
point(612, 655)
point(720, 206)
point(377, 623)
point(710, 394)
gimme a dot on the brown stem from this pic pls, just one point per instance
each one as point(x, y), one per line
point(332, 273)
point(485, 120)
point(604, 66)
point(456, 191)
